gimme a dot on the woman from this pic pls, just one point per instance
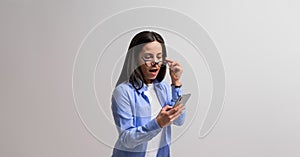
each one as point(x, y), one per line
point(142, 102)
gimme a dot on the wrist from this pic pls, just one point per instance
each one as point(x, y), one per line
point(158, 122)
point(176, 83)
point(176, 86)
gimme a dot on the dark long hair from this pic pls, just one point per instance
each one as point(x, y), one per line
point(131, 69)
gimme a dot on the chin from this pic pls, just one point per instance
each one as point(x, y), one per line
point(151, 78)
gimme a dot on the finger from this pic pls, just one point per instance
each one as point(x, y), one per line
point(176, 69)
point(181, 109)
point(175, 112)
point(174, 65)
point(166, 108)
point(176, 115)
point(169, 60)
point(172, 110)
point(178, 107)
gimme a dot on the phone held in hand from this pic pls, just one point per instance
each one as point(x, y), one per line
point(182, 99)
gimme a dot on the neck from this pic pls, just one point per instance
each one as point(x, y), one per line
point(150, 81)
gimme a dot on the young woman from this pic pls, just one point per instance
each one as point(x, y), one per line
point(142, 102)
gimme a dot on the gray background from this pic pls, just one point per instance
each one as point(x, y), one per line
point(257, 40)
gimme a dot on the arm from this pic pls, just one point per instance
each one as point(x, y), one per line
point(176, 93)
point(175, 71)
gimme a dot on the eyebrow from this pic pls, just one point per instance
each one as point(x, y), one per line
point(149, 53)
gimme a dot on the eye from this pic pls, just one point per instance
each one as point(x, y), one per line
point(148, 57)
point(159, 57)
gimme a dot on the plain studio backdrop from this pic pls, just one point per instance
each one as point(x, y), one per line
point(258, 42)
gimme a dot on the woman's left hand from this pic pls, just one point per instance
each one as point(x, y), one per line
point(175, 71)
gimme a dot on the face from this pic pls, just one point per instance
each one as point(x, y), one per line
point(151, 52)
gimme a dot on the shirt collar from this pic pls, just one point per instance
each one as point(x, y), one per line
point(156, 84)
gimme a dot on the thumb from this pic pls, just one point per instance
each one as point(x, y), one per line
point(166, 108)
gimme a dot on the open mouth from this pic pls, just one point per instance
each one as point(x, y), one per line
point(153, 70)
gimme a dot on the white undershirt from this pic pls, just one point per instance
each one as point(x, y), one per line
point(154, 143)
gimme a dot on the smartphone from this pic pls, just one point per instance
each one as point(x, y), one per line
point(182, 99)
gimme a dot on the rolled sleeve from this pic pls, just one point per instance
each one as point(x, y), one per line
point(176, 93)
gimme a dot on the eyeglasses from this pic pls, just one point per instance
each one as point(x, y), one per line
point(151, 62)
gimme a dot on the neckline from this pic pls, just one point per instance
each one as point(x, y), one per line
point(150, 86)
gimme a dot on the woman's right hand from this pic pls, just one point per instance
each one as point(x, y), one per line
point(168, 114)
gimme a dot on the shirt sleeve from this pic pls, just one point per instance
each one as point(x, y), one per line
point(176, 93)
point(130, 135)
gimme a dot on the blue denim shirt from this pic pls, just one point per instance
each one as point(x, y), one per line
point(132, 115)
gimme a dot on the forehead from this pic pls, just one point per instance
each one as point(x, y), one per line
point(153, 47)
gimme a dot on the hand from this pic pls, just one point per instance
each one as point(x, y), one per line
point(175, 71)
point(168, 114)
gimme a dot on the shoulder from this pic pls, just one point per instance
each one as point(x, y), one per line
point(123, 88)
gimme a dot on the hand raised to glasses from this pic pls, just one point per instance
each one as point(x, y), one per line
point(175, 71)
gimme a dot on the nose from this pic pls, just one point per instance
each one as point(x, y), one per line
point(155, 59)
point(155, 63)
